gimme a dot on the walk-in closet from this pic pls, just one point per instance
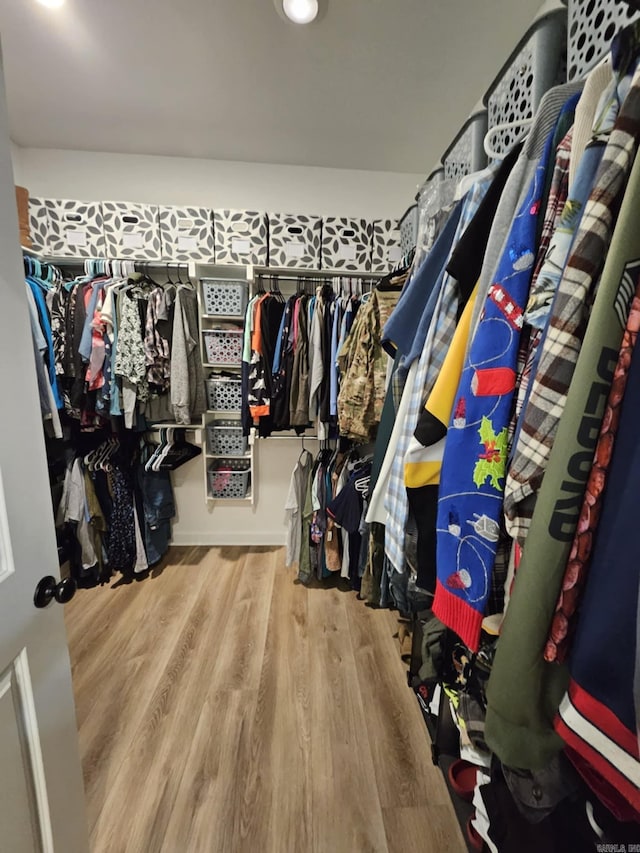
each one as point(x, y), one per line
point(319, 451)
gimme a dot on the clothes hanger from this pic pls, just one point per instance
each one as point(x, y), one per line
point(178, 453)
point(159, 449)
point(498, 128)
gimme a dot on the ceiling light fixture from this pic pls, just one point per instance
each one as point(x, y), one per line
point(52, 4)
point(300, 11)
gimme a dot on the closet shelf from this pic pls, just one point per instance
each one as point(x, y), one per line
point(233, 414)
point(220, 366)
point(247, 499)
point(224, 318)
point(227, 456)
point(32, 253)
point(174, 425)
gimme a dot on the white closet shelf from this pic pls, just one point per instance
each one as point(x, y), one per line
point(32, 253)
point(227, 456)
point(233, 415)
point(224, 318)
point(247, 499)
point(219, 366)
point(174, 425)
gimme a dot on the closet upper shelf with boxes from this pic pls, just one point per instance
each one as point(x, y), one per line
point(66, 228)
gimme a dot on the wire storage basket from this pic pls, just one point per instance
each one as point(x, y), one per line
point(224, 395)
point(225, 438)
point(224, 298)
point(409, 229)
point(591, 26)
point(229, 479)
point(223, 346)
point(536, 65)
point(466, 153)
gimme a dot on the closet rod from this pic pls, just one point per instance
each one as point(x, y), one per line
point(290, 437)
point(286, 273)
point(67, 261)
point(328, 279)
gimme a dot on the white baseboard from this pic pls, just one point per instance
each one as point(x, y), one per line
point(219, 538)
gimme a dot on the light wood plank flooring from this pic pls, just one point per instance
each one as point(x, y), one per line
point(223, 708)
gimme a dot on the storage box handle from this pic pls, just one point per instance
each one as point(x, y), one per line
point(296, 230)
point(73, 217)
point(349, 233)
point(186, 224)
point(239, 227)
point(130, 219)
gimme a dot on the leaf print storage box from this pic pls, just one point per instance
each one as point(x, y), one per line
point(241, 237)
point(346, 244)
point(131, 231)
point(294, 241)
point(186, 234)
point(39, 224)
point(386, 252)
point(66, 228)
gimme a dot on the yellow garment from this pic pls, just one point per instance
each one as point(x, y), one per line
point(423, 464)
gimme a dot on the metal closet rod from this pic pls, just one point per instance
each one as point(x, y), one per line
point(373, 277)
point(138, 263)
point(284, 272)
point(328, 279)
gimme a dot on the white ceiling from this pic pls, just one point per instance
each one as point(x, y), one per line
point(374, 84)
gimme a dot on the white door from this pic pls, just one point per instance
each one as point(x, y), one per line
point(41, 795)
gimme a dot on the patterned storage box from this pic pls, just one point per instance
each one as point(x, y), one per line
point(224, 395)
point(229, 479)
point(225, 438)
point(39, 224)
point(591, 28)
point(240, 237)
point(535, 66)
point(186, 234)
point(346, 244)
point(223, 346)
point(294, 241)
point(409, 229)
point(131, 230)
point(224, 298)
point(386, 249)
point(66, 228)
point(466, 153)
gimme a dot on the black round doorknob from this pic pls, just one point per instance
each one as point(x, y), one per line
point(49, 589)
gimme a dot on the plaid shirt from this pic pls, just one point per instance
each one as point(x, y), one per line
point(441, 331)
point(569, 314)
point(558, 194)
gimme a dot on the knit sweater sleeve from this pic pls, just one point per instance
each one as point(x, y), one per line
point(180, 391)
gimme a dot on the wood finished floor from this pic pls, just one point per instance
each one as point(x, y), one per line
point(223, 708)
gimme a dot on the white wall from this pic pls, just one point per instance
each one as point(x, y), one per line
point(211, 183)
point(288, 189)
point(16, 160)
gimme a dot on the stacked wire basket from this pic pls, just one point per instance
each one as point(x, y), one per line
point(591, 26)
point(229, 479)
point(224, 394)
point(225, 438)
